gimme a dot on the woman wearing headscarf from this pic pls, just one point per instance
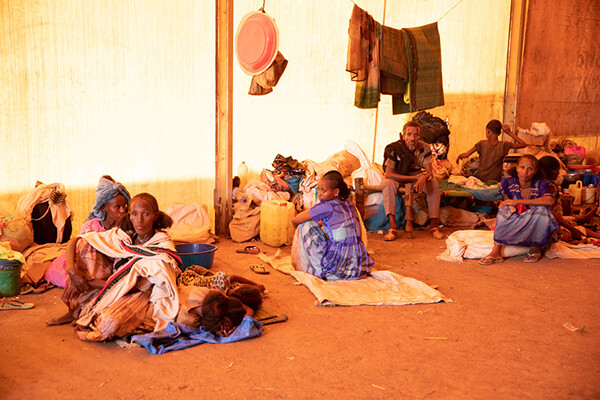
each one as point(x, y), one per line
point(112, 202)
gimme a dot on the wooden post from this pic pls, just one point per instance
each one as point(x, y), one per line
point(223, 114)
point(518, 16)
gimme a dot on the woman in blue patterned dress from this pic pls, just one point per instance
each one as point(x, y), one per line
point(328, 239)
point(524, 217)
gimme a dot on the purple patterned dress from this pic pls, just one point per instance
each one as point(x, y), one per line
point(531, 226)
point(337, 251)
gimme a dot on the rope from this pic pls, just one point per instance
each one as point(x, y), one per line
point(447, 12)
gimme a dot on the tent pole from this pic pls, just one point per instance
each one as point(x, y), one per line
point(516, 38)
point(223, 114)
point(377, 109)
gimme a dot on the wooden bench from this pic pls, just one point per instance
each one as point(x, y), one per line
point(361, 192)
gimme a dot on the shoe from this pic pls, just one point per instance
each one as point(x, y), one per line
point(392, 234)
point(489, 260)
point(437, 234)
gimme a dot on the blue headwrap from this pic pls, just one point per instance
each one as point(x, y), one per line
point(107, 190)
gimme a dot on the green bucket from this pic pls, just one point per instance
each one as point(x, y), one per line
point(10, 277)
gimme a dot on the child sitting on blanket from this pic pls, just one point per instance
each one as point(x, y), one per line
point(328, 239)
point(569, 231)
point(247, 291)
point(524, 217)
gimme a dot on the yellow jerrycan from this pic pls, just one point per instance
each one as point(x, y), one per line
point(276, 227)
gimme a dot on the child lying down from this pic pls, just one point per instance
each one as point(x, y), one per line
point(214, 311)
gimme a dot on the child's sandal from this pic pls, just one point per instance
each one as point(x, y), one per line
point(259, 269)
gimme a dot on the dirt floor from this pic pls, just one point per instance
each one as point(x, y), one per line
point(502, 337)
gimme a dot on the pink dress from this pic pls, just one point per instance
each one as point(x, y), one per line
point(57, 271)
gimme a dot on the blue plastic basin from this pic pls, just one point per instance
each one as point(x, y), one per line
point(201, 254)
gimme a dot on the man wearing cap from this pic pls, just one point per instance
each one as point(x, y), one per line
point(408, 160)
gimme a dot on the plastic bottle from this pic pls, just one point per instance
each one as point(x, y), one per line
point(243, 174)
point(587, 177)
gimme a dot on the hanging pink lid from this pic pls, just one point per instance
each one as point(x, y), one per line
point(256, 42)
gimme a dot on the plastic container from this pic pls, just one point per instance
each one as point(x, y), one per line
point(243, 174)
point(589, 195)
point(576, 190)
point(587, 177)
point(10, 278)
point(276, 227)
point(201, 254)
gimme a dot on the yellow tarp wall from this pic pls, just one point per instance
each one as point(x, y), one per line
point(126, 88)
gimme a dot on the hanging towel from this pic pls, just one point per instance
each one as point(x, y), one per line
point(362, 61)
point(393, 62)
point(264, 83)
point(422, 46)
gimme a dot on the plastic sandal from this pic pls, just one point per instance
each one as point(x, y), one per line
point(437, 234)
point(43, 288)
point(259, 269)
point(533, 257)
point(489, 260)
point(26, 289)
point(392, 234)
point(249, 250)
point(15, 305)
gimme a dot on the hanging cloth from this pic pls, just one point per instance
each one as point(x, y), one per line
point(424, 55)
point(364, 34)
point(393, 62)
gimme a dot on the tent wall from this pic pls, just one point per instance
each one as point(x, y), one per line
point(561, 69)
point(127, 88)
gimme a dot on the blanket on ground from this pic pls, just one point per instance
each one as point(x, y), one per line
point(380, 288)
point(476, 244)
point(178, 336)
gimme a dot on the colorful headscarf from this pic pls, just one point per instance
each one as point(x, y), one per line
point(107, 190)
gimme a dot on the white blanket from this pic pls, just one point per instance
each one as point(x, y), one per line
point(381, 288)
point(476, 244)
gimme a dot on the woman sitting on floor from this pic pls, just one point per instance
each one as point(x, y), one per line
point(112, 202)
point(335, 251)
point(524, 217)
point(142, 293)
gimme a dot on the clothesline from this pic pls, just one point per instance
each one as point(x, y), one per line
point(384, 9)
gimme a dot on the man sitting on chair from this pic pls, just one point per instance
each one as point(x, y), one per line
point(408, 161)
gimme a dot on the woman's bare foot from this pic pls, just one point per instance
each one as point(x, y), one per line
point(65, 319)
